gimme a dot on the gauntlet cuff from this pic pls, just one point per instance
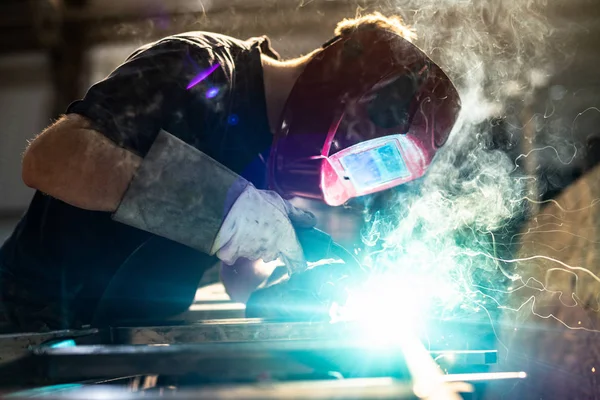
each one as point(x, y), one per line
point(180, 193)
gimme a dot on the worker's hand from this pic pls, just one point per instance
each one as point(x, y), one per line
point(245, 276)
point(260, 226)
point(307, 296)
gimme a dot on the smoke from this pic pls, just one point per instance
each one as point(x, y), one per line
point(441, 238)
point(492, 50)
point(503, 54)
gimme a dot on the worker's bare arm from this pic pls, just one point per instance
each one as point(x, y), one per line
point(78, 165)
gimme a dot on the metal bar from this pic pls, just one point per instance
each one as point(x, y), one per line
point(458, 336)
point(437, 334)
point(16, 345)
point(231, 330)
point(314, 390)
point(239, 329)
point(214, 310)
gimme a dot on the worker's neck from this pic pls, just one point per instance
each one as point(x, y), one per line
point(279, 78)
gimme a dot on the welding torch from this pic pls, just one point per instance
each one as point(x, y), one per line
point(318, 245)
point(308, 295)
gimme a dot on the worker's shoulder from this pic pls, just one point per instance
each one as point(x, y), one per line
point(211, 40)
point(206, 40)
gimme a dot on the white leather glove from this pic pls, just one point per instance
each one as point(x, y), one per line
point(260, 226)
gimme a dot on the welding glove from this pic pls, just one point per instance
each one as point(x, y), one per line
point(260, 225)
point(182, 194)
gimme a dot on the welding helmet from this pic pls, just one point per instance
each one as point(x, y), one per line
point(368, 113)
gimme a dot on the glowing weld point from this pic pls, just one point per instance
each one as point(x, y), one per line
point(202, 76)
point(212, 92)
point(64, 343)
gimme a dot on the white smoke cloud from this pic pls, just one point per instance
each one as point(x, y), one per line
point(462, 213)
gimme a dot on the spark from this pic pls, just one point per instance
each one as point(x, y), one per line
point(561, 208)
point(583, 238)
point(542, 288)
point(549, 316)
point(546, 148)
point(581, 113)
point(548, 115)
point(542, 257)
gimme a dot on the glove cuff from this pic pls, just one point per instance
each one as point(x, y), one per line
point(180, 193)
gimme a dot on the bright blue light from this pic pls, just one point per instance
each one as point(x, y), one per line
point(64, 343)
point(212, 92)
point(43, 391)
point(233, 119)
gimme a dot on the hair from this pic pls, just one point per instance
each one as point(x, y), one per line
point(348, 26)
point(376, 20)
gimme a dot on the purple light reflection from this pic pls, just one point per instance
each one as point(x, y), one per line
point(212, 92)
point(202, 76)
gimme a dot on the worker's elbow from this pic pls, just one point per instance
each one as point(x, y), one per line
point(39, 161)
point(49, 158)
point(29, 171)
point(41, 158)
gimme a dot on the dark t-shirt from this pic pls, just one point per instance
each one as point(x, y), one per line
point(62, 262)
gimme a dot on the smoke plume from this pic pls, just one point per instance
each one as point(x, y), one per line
point(447, 233)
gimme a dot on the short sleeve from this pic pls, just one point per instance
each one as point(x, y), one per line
point(132, 104)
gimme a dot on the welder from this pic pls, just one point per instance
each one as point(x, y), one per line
point(188, 154)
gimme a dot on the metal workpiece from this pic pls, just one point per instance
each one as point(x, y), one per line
point(228, 362)
point(437, 335)
point(279, 359)
point(232, 330)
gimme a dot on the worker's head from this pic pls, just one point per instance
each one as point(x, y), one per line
point(375, 21)
point(368, 112)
